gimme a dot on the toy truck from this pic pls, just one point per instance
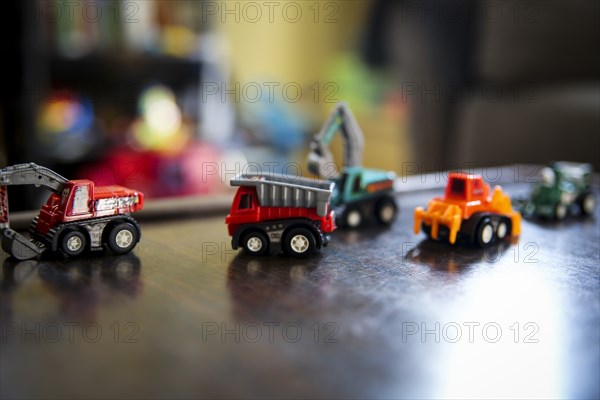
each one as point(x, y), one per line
point(78, 215)
point(564, 187)
point(279, 213)
point(360, 194)
point(469, 210)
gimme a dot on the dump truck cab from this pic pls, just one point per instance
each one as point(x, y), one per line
point(243, 209)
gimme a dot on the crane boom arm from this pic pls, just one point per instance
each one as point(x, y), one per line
point(13, 242)
point(32, 174)
point(341, 120)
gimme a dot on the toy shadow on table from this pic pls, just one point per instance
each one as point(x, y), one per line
point(80, 284)
point(273, 287)
point(443, 256)
point(368, 231)
point(553, 223)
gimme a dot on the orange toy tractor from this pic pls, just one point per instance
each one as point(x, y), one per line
point(469, 210)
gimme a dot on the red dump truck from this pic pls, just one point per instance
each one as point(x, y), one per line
point(280, 213)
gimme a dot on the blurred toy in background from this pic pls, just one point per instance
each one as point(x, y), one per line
point(157, 27)
point(160, 124)
point(564, 187)
point(274, 123)
point(273, 135)
point(66, 126)
point(194, 170)
point(160, 155)
point(78, 215)
point(470, 211)
point(360, 194)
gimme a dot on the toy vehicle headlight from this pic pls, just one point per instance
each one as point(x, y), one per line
point(548, 176)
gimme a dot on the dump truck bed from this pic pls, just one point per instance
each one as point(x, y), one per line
point(276, 190)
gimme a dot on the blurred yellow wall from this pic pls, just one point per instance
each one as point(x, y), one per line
point(272, 48)
point(291, 51)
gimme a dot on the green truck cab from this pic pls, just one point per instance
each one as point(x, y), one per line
point(564, 187)
point(360, 193)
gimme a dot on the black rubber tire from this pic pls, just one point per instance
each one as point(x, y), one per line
point(349, 215)
point(74, 236)
point(263, 241)
point(426, 229)
point(113, 241)
point(384, 206)
point(291, 248)
point(483, 231)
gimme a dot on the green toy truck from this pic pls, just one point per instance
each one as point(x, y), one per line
point(359, 194)
point(564, 187)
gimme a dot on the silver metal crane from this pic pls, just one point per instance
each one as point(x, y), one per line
point(320, 159)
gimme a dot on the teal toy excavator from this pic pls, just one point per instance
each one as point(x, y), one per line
point(359, 194)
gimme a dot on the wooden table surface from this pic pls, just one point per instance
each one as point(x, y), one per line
point(380, 313)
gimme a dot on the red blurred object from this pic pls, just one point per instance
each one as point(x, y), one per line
point(160, 174)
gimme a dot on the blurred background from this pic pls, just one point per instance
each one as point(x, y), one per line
point(175, 97)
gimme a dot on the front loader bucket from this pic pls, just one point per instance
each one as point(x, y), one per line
point(19, 246)
point(439, 213)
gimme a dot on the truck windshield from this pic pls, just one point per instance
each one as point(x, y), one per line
point(64, 197)
point(457, 187)
point(245, 201)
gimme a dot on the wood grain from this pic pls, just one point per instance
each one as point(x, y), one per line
point(374, 315)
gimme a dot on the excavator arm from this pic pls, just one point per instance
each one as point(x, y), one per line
point(24, 174)
point(32, 174)
point(341, 120)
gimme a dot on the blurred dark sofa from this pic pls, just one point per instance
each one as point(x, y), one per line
point(494, 82)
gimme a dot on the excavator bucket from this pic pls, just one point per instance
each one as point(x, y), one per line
point(19, 246)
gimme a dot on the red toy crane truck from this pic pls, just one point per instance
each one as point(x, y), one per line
point(78, 216)
point(274, 213)
point(469, 210)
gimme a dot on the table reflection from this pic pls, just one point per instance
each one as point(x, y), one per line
point(79, 284)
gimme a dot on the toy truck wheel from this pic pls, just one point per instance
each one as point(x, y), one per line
point(426, 229)
point(560, 212)
point(73, 243)
point(386, 211)
point(503, 229)
point(122, 238)
point(255, 243)
point(485, 233)
point(588, 204)
point(352, 217)
point(299, 242)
